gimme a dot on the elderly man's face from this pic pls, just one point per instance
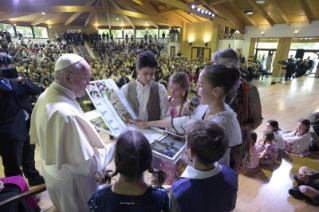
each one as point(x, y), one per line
point(80, 79)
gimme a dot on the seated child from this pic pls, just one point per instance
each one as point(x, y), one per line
point(280, 142)
point(308, 185)
point(133, 156)
point(251, 165)
point(207, 185)
point(268, 150)
point(297, 142)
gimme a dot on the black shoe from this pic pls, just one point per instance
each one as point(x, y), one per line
point(295, 192)
point(37, 198)
point(299, 182)
point(38, 180)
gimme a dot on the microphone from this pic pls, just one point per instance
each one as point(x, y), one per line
point(193, 103)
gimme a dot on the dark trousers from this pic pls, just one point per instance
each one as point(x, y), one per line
point(18, 153)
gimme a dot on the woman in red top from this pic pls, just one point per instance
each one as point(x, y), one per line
point(192, 79)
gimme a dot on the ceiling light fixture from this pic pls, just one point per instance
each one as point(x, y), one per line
point(296, 32)
point(190, 13)
point(213, 15)
point(43, 13)
point(202, 11)
point(193, 6)
point(117, 17)
point(50, 27)
point(209, 13)
point(198, 9)
point(206, 11)
point(249, 12)
point(260, 2)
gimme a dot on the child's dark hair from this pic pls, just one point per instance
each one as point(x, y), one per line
point(146, 59)
point(270, 136)
point(207, 140)
point(220, 75)
point(305, 122)
point(133, 156)
point(274, 124)
point(253, 137)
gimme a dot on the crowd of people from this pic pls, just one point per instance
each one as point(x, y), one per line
point(71, 148)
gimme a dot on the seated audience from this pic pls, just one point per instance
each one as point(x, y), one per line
point(307, 185)
point(207, 185)
point(251, 164)
point(297, 142)
point(273, 126)
point(123, 80)
point(268, 151)
point(133, 156)
point(193, 80)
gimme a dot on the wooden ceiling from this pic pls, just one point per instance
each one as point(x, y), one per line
point(115, 14)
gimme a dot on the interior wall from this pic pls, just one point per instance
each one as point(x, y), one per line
point(198, 34)
point(278, 31)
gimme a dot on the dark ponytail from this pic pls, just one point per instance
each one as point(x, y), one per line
point(105, 177)
point(220, 75)
point(161, 177)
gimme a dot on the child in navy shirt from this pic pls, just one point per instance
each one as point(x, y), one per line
point(133, 156)
point(207, 185)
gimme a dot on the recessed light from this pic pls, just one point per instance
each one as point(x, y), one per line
point(43, 13)
point(213, 15)
point(193, 6)
point(260, 2)
point(202, 11)
point(248, 12)
point(209, 13)
point(206, 11)
point(198, 9)
point(190, 13)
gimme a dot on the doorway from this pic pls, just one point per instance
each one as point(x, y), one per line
point(172, 51)
point(262, 54)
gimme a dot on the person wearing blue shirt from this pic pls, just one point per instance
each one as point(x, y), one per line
point(207, 185)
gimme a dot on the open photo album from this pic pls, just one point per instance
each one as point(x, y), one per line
point(106, 107)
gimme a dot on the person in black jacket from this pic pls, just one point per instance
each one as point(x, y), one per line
point(16, 110)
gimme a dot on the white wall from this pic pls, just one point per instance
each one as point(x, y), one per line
point(177, 48)
point(278, 31)
point(233, 44)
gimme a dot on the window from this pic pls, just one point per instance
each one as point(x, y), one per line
point(25, 31)
point(140, 33)
point(117, 33)
point(153, 32)
point(267, 45)
point(129, 32)
point(166, 31)
point(304, 46)
point(9, 28)
point(104, 30)
point(40, 32)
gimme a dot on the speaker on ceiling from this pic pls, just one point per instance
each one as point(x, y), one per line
point(300, 53)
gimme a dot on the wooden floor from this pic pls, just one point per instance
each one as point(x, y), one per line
point(268, 189)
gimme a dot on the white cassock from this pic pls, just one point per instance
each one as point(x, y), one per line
point(70, 148)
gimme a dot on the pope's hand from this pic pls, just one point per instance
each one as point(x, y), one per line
point(139, 123)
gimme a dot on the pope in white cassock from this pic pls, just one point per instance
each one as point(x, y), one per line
point(70, 148)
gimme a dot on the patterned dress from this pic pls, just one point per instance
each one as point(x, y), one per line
point(271, 154)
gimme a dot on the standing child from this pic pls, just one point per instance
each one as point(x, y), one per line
point(133, 156)
point(268, 151)
point(207, 185)
point(251, 165)
point(179, 86)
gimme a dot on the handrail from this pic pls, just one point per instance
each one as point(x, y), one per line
point(23, 195)
point(74, 49)
point(87, 46)
point(231, 36)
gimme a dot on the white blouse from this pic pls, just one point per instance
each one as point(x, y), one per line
point(280, 142)
point(227, 119)
point(300, 143)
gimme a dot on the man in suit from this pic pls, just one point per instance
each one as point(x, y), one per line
point(16, 109)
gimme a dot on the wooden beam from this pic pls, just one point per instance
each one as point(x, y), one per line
point(211, 2)
point(44, 18)
point(262, 12)
point(221, 11)
point(51, 9)
point(91, 13)
point(75, 15)
point(281, 12)
point(124, 16)
point(303, 9)
point(241, 11)
point(108, 19)
point(169, 9)
point(198, 19)
point(7, 16)
point(128, 7)
point(104, 4)
point(176, 4)
point(171, 22)
point(183, 17)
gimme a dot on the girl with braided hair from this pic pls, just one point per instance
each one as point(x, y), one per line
point(133, 156)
